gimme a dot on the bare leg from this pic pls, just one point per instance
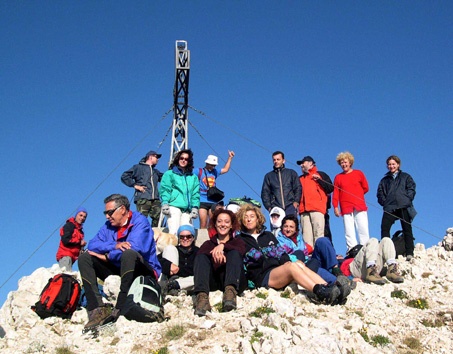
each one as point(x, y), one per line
point(298, 272)
point(203, 214)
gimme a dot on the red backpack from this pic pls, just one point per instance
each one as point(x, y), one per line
point(59, 297)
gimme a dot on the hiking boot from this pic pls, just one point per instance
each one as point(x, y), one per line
point(203, 305)
point(393, 273)
point(229, 298)
point(409, 257)
point(373, 276)
point(173, 288)
point(98, 317)
point(342, 283)
point(327, 294)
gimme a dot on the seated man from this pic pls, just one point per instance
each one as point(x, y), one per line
point(369, 261)
point(123, 246)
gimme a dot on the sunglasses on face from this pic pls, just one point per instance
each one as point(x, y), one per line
point(183, 159)
point(185, 237)
point(111, 211)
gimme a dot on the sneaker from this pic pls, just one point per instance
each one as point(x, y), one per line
point(229, 298)
point(203, 304)
point(342, 283)
point(373, 276)
point(327, 294)
point(393, 274)
point(409, 257)
point(98, 317)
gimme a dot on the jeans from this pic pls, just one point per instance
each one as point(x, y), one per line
point(91, 268)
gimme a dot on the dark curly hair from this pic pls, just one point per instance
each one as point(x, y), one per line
point(293, 218)
point(175, 161)
point(234, 220)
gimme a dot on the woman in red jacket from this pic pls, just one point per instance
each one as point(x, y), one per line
point(72, 240)
point(349, 193)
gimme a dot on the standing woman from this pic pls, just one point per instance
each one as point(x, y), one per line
point(396, 192)
point(349, 193)
point(268, 265)
point(219, 264)
point(180, 192)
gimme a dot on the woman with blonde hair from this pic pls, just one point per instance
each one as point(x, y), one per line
point(268, 265)
point(350, 187)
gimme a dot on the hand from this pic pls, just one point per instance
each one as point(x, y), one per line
point(123, 246)
point(165, 209)
point(174, 269)
point(194, 213)
point(102, 257)
point(218, 256)
point(336, 211)
point(83, 243)
point(231, 154)
point(140, 188)
point(316, 177)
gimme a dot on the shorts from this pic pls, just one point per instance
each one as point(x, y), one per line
point(206, 205)
point(265, 282)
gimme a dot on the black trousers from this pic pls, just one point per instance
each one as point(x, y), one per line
point(388, 219)
point(207, 278)
point(91, 268)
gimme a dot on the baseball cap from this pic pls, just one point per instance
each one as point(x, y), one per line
point(306, 158)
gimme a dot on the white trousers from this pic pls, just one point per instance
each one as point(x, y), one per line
point(176, 219)
point(357, 220)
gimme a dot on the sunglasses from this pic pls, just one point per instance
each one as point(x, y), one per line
point(185, 237)
point(111, 211)
point(183, 159)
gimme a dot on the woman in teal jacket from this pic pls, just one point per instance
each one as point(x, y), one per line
point(180, 192)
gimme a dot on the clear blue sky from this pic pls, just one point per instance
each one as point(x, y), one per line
point(84, 86)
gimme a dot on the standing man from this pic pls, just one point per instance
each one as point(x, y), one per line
point(281, 187)
point(123, 246)
point(208, 178)
point(316, 186)
point(144, 177)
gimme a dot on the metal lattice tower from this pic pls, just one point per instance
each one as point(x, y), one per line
point(180, 132)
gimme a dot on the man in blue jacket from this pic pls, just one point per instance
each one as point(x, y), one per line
point(123, 246)
point(144, 177)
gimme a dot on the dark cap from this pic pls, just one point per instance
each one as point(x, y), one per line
point(152, 152)
point(306, 158)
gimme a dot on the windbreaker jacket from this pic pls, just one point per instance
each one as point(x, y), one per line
point(396, 193)
point(180, 190)
point(271, 193)
point(71, 237)
point(262, 255)
point(143, 174)
point(290, 247)
point(314, 192)
point(138, 233)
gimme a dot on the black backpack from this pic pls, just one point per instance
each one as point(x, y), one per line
point(144, 301)
point(400, 244)
point(59, 297)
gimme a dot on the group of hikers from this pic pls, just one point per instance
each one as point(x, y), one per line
point(240, 253)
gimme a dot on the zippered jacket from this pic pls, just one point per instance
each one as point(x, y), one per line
point(271, 192)
point(314, 192)
point(138, 233)
point(146, 175)
point(262, 255)
point(180, 190)
point(396, 193)
point(71, 237)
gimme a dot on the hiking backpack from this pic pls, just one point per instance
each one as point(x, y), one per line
point(144, 301)
point(59, 297)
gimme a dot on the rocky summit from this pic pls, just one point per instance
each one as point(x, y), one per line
point(412, 317)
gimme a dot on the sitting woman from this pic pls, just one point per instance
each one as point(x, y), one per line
point(268, 265)
point(177, 262)
point(293, 244)
point(219, 264)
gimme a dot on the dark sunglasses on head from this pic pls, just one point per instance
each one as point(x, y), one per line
point(111, 211)
point(185, 237)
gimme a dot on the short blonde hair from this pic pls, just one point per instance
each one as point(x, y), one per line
point(261, 220)
point(346, 155)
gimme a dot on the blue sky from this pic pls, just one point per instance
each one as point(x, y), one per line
point(85, 86)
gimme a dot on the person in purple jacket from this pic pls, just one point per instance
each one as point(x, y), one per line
point(123, 246)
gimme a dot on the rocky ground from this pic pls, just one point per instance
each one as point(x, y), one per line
point(413, 317)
